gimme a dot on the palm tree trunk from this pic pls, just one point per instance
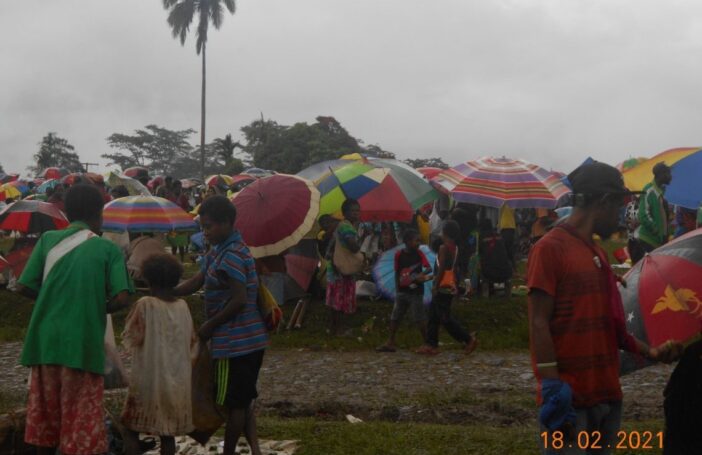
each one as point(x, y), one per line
point(202, 119)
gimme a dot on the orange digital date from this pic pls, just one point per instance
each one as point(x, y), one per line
point(585, 440)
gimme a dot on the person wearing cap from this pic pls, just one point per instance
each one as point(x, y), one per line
point(653, 213)
point(576, 317)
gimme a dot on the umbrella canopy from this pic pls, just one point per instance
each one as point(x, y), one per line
point(642, 174)
point(32, 217)
point(49, 184)
point(82, 178)
point(36, 197)
point(301, 262)
point(495, 182)
point(22, 186)
point(274, 213)
point(319, 170)
point(190, 183)
point(145, 214)
point(257, 172)
point(9, 192)
point(384, 272)
point(686, 187)
point(16, 260)
point(136, 172)
point(219, 180)
point(54, 173)
point(630, 163)
point(135, 187)
point(429, 172)
point(156, 182)
point(663, 297)
point(6, 178)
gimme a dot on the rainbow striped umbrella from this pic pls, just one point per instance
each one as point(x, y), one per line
point(640, 175)
point(145, 214)
point(494, 182)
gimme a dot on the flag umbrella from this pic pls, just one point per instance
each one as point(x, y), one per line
point(685, 188)
point(32, 217)
point(49, 184)
point(145, 214)
point(21, 185)
point(663, 297)
point(301, 262)
point(136, 172)
point(429, 172)
point(9, 192)
point(54, 173)
point(7, 178)
point(642, 174)
point(219, 180)
point(630, 163)
point(495, 182)
point(274, 213)
point(135, 187)
point(384, 272)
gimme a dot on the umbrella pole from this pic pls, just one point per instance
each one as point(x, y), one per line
point(304, 301)
point(295, 314)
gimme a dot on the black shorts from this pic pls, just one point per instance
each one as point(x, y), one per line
point(236, 378)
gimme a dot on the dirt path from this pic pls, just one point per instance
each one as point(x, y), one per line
point(491, 388)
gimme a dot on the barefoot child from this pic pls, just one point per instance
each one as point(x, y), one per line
point(159, 334)
point(411, 271)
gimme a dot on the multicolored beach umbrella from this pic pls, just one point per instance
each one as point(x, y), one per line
point(495, 182)
point(630, 163)
point(384, 272)
point(642, 174)
point(49, 184)
point(219, 180)
point(686, 187)
point(145, 214)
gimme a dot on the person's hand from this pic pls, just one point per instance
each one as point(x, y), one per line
point(205, 332)
point(557, 411)
point(667, 352)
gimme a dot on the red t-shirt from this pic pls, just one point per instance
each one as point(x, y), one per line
point(582, 326)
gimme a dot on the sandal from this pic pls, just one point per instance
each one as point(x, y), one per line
point(427, 350)
point(471, 345)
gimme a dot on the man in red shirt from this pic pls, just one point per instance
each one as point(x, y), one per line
point(576, 320)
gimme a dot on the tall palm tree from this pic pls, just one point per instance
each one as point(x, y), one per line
point(181, 15)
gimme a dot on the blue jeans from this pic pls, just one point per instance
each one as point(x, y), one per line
point(606, 418)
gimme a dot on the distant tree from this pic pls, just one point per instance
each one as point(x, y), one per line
point(156, 148)
point(427, 162)
point(55, 151)
point(224, 149)
point(181, 15)
point(290, 149)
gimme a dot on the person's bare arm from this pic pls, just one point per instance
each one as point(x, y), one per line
point(234, 306)
point(26, 292)
point(441, 269)
point(119, 302)
point(190, 286)
point(541, 310)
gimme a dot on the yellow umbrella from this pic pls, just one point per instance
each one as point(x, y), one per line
point(9, 192)
point(642, 174)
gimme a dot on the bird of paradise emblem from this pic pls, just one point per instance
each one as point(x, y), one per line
point(679, 300)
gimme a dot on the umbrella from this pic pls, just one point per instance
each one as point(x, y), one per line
point(274, 213)
point(36, 197)
point(7, 178)
point(16, 260)
point(384, 272)
point(32, 217)
point(429, 172)
point(642, 174)
point(136, 172)
point(21, 185)
point(663, 297)
point(630, 163)
point(190, 183)
point(257, 172)
point(135, 187)
point(156, 182)
point(54, 173)
point(243, 179)
point(219, 180)
point(88, 178)
point(301, 262)
point(9, 192)
point(145, 214)
point(494, 182)
point(49, 184)
point(686, 187)
point(319, 170)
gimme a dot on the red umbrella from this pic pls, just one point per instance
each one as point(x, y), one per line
point(9, 178)
point(54, 173)
point(274, 213)
point(301, 262)
point(32, 217)
point(17, 260)
point(156, 182)
point(429, 172)
point(82, 177)
point(136, 172)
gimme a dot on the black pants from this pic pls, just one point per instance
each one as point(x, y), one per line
point(638, 249)
point(440, 314)
point(509, 236)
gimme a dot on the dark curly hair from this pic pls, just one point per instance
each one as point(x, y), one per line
point(83, 203)
point(219, 209)
point(162, 271)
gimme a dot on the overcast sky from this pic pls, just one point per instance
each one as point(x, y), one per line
point(551, 81)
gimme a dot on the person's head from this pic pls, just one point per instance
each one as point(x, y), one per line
point(662, 174)
point(598, 196)
point(119, 191)
point(327, 223)
point(177, 187)
point(84, 203)
point(451, 232)
point(467, 220)
point(211, 191)
point(351, 210)
point(162, 271)
point(411, 239)
point(217, 218)
point(486, 226)
point(169, 181)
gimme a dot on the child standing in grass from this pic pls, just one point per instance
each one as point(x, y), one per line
point(411, 271)
point(159, 334)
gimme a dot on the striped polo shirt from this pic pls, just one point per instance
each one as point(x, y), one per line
point(245, 333)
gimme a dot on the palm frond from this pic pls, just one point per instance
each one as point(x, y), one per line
point(216, 13)
point(180, 18)
point(168, 4)
point(230, 5)
point(202, 30)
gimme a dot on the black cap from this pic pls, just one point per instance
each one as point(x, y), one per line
point(597, 178)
